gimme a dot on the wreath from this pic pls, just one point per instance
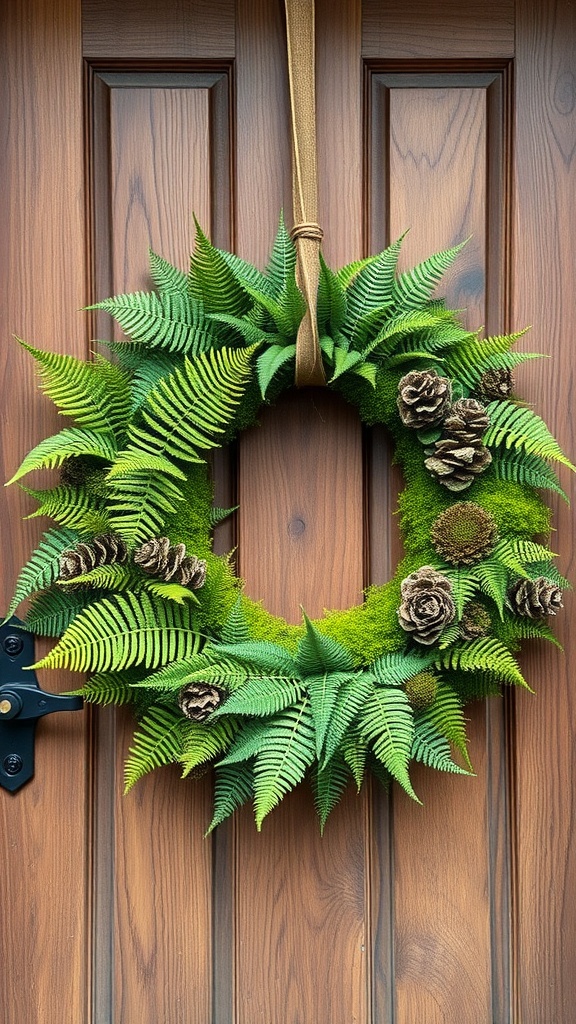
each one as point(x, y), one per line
point(129, 582)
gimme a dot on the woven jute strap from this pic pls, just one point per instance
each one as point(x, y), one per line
point(307, 234)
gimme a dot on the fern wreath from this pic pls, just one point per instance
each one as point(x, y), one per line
point(129, 582)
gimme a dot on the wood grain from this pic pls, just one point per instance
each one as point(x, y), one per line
point(545, 256)
point(402, 29)
point(44, 826)
point(200, 29)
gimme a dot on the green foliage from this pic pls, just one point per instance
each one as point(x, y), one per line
point(328, 699)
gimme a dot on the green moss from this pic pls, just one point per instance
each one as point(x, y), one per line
point(516, 508)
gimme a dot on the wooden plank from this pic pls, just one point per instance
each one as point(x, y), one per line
point(198, 29)
point(300, 478)
point(153, 867)
point(428, 174)
point(545, 256)
point(402, 29)
point(44, 830)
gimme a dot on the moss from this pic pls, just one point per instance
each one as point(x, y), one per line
point(517, 509)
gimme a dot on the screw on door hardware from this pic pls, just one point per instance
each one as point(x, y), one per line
point(22, 703)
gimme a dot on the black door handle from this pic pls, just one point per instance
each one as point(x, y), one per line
point(22, 703)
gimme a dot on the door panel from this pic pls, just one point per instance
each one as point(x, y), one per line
point(449, 121)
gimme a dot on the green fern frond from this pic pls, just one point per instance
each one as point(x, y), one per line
point(347, 274)
point(172, 677)
point(148, 372)
point(464, 586)
point(516, 554)
point(283, 759)
point(148, 320)
point(516, 427)
point(214, 281)
point(140, 504)
point(235, 630)
point(43, 568)
point(395, 668)
point(107, 688)
point(76, 507)
point(350, 699)
point(387, 722)
point(317, 653)
point(270, 657)
point(520, 468)
point(323, 691)
point(167, 278)
point(492, 576)
point(282, 263)
point(158, 742)
point(218, 515)
point(169, 591)
point(95, 394)
point(469, 359)
point(408, 323)
point(52, 611)
point(203, 742)
point(433, 749)
point(123, 630)
point(250, 333)
point(270, 362)
point(331, 303)
point(233, 787)
point(414, 287)
point(135, 461)
point(246, 273)
point(355, 750)
point(328, 785)
point(371, 287)
point(261, 696)
point(104, 577)
point(192, 407)
point(487, 654)
point(69, 443)
point(446, 717)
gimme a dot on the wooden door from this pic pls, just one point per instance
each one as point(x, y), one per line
point(451, 119)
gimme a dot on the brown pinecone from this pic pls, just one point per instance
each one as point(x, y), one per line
point(466, 422)
point(421, 689)
point(198, 700)
point(535, 598)
point(427, 606)
point(423, 398)
point(105, 549)
point(475, 621)
point(496, 384)
point(158, 557)
point(454, 465)
point(464, 533)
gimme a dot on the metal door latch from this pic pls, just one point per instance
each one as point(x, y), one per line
point(22, 703)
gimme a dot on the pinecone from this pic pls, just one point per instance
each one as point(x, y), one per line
point(106, 549)
point(421, 690)
point(158, 557)
point(466, 422)
point(475, 621)
point(496, 384)
point(198, 700)
point(454, 465)
point(427, 606)
point(423, 398)
point(535, 598)
point(464, 533)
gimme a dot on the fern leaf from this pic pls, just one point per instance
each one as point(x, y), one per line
point(123, 630)
point(404, 324)
point(169, 591)
point(350, 699)
point(149, 321)
point(283, 759)
point(433, 749)
point(372, 286)
point(189, 409)
point(148, 372)
point(520, 468)
point(318, 653)
point(354, 750)
point(51, 612)
point(261, 696)
point(96, 394)
point(76, 507)
point(328, 785)
point(174, 676)
point(107, 688)
point(516, 427)
point(270, 362)
point(387, 722)
point(69, 443)
point(203, 743)
point(43, 568)
point(105, 577)
point(156, 743)
point(282, 263)
point(140, 504)
point(235, 630)
point(246, 273)
point(233, 787)
point(270, 657)
point(414, 287)
point(213, 280)
point(464, 587)
point(332, 303)
point(395, 668)
point(469, 359)
point(323, 692)
point(130, 461)
point(487, 654)
point(218, 515)
point(446, 717)
point(492, 576)
point(166, 277)
point(347, 274)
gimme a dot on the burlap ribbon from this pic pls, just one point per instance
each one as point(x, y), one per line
point(307, 233)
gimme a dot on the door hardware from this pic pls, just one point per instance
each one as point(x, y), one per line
point(22, 703)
